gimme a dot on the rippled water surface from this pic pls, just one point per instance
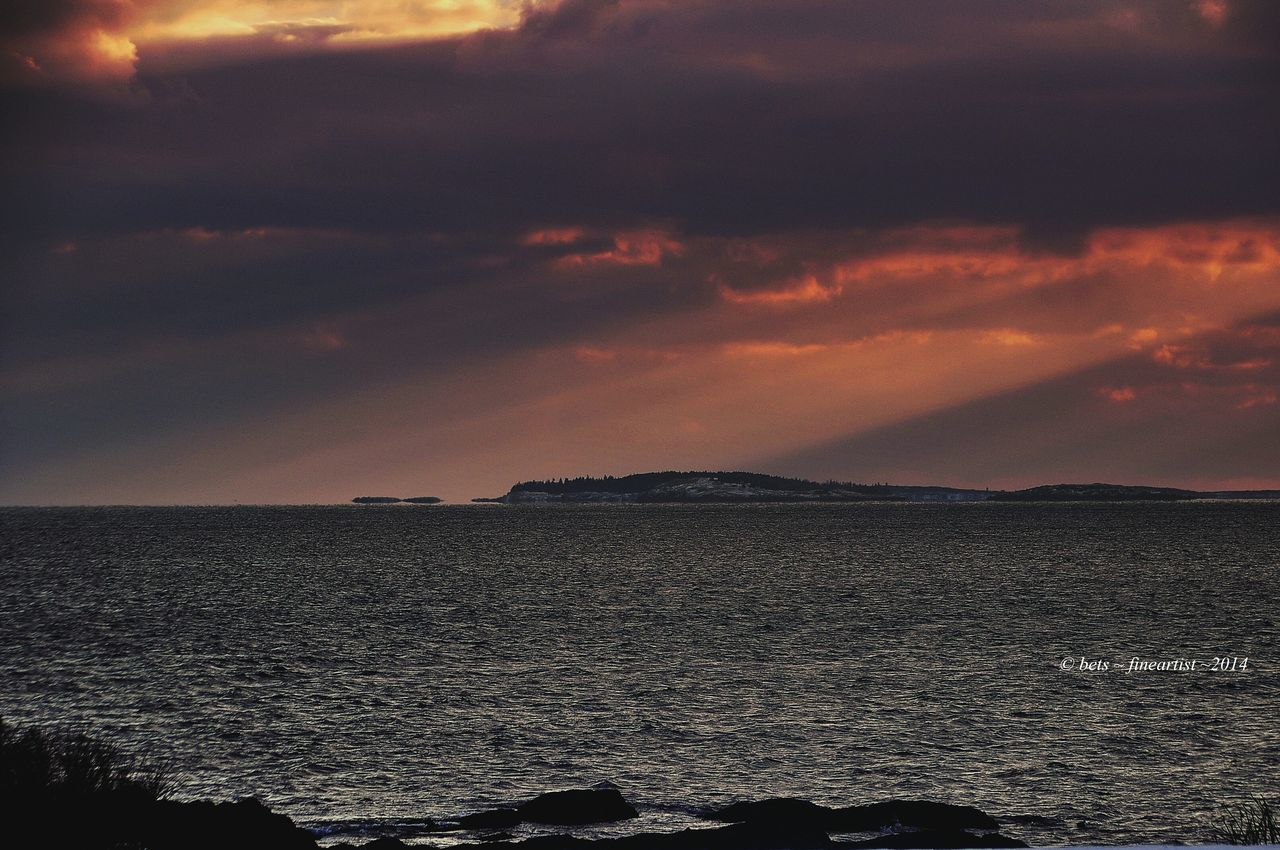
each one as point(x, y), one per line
point(366, 663)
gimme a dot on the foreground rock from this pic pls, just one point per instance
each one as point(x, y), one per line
point(569, 808)
point(244, 823)
point(557, 808)
point(112, 820)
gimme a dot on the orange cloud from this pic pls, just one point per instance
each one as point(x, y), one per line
point(1213, 11)
point(1128, 287)
point(630, 248)
point(973, 265)
point(772, 349)
point(1197, 357)
point(978, 252)
point(553, 236)
point(1142, 336)
point(1009, 336)
point(807, 290)
point(1257, 397)
point(1119, 395)
point(783, 348)
point(1210, 250)
point(1179, 356)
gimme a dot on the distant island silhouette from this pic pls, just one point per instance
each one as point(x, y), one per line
point(396, 500)
point(740, 487)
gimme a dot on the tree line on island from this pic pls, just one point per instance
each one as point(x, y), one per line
point(673, 486)
point(643, 481)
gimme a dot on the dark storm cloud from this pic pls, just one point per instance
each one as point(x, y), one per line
point(723, 117)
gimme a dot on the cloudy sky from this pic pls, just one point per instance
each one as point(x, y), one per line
point(298, 251)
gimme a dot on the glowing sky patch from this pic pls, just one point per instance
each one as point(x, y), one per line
point(350, 19)
point(101, 39)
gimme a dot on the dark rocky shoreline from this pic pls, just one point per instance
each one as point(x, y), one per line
point(773, 824)
point(121, 820)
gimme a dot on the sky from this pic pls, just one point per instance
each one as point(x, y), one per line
point(299, 251)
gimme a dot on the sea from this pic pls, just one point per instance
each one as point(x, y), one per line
point(1087, 673)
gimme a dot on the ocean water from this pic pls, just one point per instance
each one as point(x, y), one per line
point(366, 667)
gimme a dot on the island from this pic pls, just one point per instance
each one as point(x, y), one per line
point(396, 500)
point(723, 487)
point(1097, 493)
point(1122, 493)
point(699, 487)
